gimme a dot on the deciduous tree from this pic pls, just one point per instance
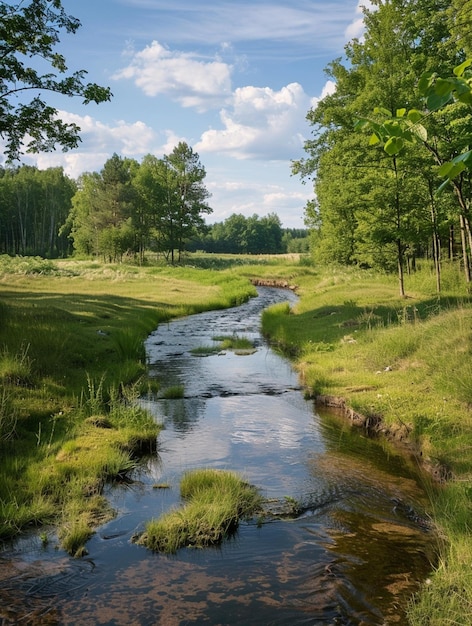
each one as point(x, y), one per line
point(30, 67)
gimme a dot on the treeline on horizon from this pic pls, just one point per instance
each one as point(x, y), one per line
point(126, 210)
point(372, 206)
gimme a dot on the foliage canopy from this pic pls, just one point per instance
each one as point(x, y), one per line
point(30, 64)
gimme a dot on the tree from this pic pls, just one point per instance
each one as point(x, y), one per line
point(460, 20)
point(372, 205)
point(150, 199)
point(448, 116)
point(29, 33)
point(101, 220)
point(34, 204)
point(186, 197)
point(81, 224)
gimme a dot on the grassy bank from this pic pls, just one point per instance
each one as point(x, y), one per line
point(72, 363)
point(405, 365)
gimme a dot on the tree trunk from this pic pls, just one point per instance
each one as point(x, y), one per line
point(465, 253)
point(401, 281)
point(400, 261)
point(466, 237)
point(436, 241)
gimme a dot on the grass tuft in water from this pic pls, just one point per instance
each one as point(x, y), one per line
point(174, 392)
point(234, 342)
point(205, 350)
point(215, 502)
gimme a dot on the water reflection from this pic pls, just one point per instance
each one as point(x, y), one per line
point(353, 557)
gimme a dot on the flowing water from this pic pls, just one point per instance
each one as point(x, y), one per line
point(354, 555)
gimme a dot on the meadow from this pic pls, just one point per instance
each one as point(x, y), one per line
point(72, 362)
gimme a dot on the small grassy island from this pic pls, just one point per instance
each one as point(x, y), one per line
point(215, 501)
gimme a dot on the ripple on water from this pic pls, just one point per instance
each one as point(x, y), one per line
point(353, 556)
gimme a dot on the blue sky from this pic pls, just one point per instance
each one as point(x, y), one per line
point(234, 79)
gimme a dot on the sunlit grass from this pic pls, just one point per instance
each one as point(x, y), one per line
point(64, 422)
point(234, 342)
point(215, 501)
point(407, 361)
point(71, 351)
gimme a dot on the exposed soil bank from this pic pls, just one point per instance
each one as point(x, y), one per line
point(273, 282)
point(398, 435)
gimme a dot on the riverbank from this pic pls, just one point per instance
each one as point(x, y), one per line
point(399, 368)
point(72, 363)
point(71, 340)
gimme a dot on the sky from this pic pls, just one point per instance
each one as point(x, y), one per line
point(234, 79)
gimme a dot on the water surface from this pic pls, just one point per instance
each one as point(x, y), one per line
point(354, 556)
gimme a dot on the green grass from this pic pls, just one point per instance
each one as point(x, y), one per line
point(234, 342)
point(241, 345)
point(215, 501)
point(205, 350)
point(174, 392)
point(409, 362)
point(64, 429)
point(72, 364)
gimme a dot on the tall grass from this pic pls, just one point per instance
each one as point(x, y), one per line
point(8, 416)
point(15, 368)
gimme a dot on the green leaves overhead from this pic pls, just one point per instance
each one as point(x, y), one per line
point(30, 31)
point(396, 132)
point(438, 91)
point(374, 188)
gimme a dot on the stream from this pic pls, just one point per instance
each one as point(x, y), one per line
point(354, 556)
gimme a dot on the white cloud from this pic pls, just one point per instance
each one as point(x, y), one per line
point(184, 77)
point(261, 123)
point(328, 89)
point(298, 23)
point(356, 28)
point(99, 142)
point(255, 187)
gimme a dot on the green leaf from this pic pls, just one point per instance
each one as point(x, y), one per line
point(393, 128)
point(394, 145)
point(465, 97)
point(465, 157)
point(374, 139)
point(382, 111)
point(443, 186)
point(425, 82)
point(414, 115)
point(420, 132)
point(444, 86)
point(451, 169)
point(361, 124)
point(435, 102)
point(460, 69)
point(401, 112)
